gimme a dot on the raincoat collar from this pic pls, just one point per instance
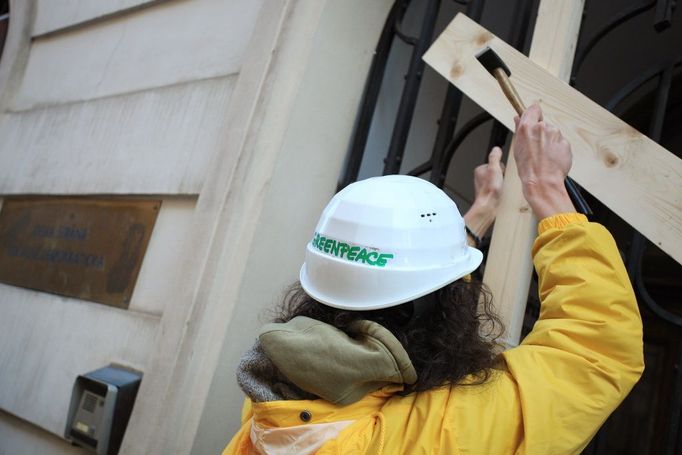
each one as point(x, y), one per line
point(287, 413)
point(277, 427)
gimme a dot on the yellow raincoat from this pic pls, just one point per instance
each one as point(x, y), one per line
point(549, 396)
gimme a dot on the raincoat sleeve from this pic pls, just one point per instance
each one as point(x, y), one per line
point(585, 352)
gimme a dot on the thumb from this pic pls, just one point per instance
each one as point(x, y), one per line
point(495, 156)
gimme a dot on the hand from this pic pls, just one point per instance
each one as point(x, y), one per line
point(543, 159)
point(488, 180)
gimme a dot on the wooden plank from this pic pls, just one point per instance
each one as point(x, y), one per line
point(509, 264)
point(556, 35)
point(509, 267)
point(636, 178)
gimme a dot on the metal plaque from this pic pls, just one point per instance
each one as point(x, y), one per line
point(87, 248)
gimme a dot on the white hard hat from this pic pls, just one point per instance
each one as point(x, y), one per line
point(385, 241)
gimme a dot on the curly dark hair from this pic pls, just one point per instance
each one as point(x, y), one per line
point(452, 340)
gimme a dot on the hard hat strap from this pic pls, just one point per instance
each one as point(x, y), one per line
point(424, 305)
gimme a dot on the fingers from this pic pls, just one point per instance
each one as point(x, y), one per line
point(531, 115)
point(552, 129)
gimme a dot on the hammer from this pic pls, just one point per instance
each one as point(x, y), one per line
point(495, 66)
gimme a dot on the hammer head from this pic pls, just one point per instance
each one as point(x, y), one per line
point(491, 61)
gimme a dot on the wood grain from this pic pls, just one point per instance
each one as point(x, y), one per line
point(636, 178)
point(509, 266)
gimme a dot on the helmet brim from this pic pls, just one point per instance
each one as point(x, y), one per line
point(359, 287)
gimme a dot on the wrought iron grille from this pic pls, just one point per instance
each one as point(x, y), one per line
point(649, 419)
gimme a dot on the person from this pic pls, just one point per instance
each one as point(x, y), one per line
point(387, 346)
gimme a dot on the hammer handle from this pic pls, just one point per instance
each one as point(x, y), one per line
point(509, 90)
point(513, 96)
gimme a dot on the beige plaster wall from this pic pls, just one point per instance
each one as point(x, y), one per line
point(57, 15)
point(132, 103)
